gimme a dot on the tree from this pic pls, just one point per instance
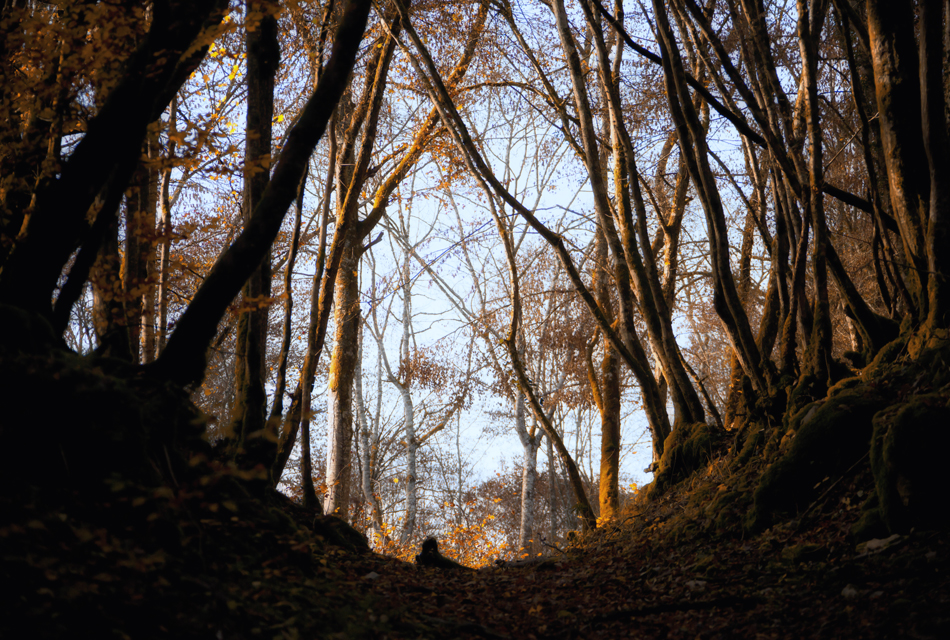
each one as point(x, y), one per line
point(711, 234)
point(755, 99)
point(351, 174)
point(42, 231)
point(417, 369)
point(250, 400)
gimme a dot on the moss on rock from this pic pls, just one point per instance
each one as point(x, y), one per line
point(828, 437)
point(750, 435)
point(888, 354)
point(686, 449)
point(908, 452)
point(806, 390)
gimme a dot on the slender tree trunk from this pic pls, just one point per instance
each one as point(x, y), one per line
point(553, 494)
point(628, 197)
point(409, 415)
point(320, 303)
point(411, 478)
point(109, 317)
point(149, 302)
point(810, 21)
point(139, 226)
point(529, 475)
point(340, 393)
point(692, 140)
point(263, 59)
point(351, 176)
point(368, 445)
point(934, 87)
point(744, 283)
point(165, 209)
point(656, 411)
point(277, 408)
point(585, 513)
point(310, 498)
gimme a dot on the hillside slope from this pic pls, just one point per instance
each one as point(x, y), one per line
point(127, 531)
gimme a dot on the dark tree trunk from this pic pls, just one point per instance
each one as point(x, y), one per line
point(249, 413)
point(897, 85)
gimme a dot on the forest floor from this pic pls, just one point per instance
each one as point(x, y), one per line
point(206, 560)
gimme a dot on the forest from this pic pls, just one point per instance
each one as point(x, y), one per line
point(475, 318)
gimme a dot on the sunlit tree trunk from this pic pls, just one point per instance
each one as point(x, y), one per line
point(352, 175)
point(369, 441)
point(404, 388)
point(668, 234)
point(692, 141)
point(628, 202)
point(280, 386)
point(606, 391)
point(297, 420)
point(139, 226)
point(340, 391)
point(530, 442)
point(810, 22)
point(585, 513)
point(165, 228)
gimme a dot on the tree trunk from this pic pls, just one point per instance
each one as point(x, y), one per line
point(340, 393)
point(104, 159)
point(692, 140)
point(606, 391)
point(351, 177)
point(656, 411)
point(280, 386)
point(368, 446)
point(322, 286)
point(934, 85)
point(149, 302)
point(108, 313)
point(404, 387)
point(554, 502)
point(627, 198)
point(897, 84)
point(810, 22)
point(530, 442)
point(249, 414)
point(165, 208)
point(139, 227)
